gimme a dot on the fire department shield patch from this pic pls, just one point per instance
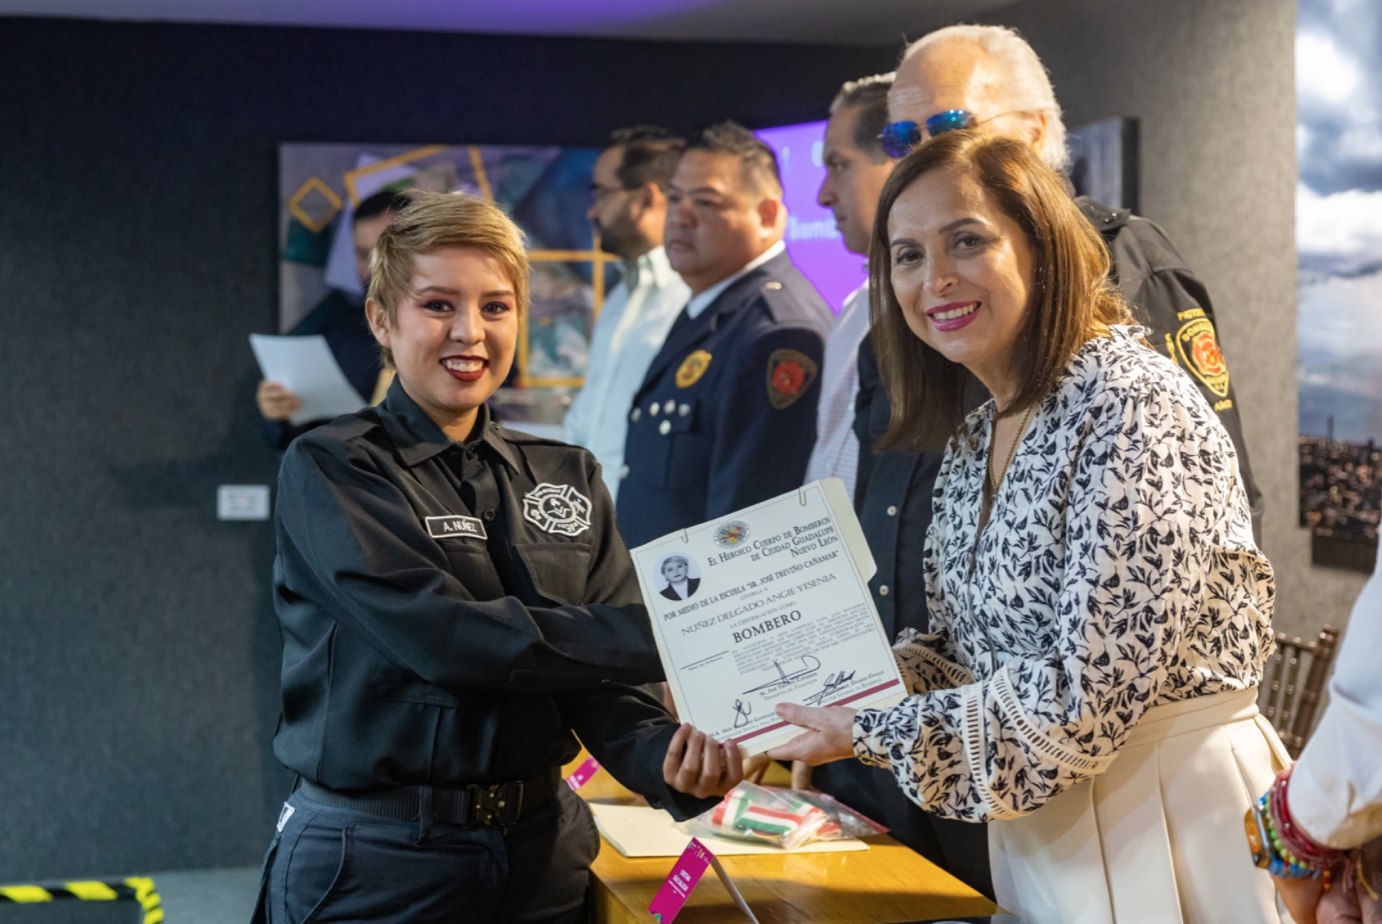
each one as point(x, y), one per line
point(790, 373)
point(558, 509)
point(1198, 349)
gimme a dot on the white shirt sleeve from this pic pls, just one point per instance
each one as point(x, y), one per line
point(1336, 787)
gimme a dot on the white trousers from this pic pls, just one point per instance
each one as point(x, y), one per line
point(1158, 837)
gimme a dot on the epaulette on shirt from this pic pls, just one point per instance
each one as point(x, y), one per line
point(1105, 220)
point(346, 428)
point(782, 304)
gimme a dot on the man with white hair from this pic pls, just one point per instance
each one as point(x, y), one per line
point(990, 75)
point(989, 78)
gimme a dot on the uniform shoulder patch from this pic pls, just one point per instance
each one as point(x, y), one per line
point(1197, 348)
point(557, 509)
point(692, 368)
point(790, 373)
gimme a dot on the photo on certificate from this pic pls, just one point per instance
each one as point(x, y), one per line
point(681, 576)
point(768, 605)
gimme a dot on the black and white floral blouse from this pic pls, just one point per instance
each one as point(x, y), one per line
point(1117, 572)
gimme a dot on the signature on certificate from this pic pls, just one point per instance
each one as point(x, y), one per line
point(809, 666)
point(741, 713)
point(832, 683)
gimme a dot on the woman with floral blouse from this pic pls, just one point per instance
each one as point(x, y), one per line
point(1099, 611)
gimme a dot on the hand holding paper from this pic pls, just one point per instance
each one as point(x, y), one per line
point(700, 766)
point(829, 734)
point(275, 402)
point(305, 367)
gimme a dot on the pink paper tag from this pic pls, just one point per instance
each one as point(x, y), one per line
point(689, 869)
point(582, 774)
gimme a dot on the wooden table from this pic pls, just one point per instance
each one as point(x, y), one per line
point(886, 883)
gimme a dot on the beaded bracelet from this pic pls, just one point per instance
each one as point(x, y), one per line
point(1279, 847)
point(1291, 836)
point(1265, 844)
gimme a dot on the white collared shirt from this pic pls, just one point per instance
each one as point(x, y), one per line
point(836, 453)
point(702, 301)
point(628, 334)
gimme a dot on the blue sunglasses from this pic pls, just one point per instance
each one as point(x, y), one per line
point(900, 137)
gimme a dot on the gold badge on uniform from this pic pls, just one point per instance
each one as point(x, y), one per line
point(790, 373)
point(1198, 351)
point(692, 368)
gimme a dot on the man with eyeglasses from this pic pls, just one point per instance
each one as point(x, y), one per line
point(628, 208)
point(726, 416)
point(989, 78)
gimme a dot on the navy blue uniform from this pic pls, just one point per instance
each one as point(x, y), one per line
point(726, 416)
point(451, 614)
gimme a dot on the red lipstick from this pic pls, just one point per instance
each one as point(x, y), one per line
point(953, 323)
point(473, 367)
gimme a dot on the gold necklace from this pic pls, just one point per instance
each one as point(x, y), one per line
point(1012, 450)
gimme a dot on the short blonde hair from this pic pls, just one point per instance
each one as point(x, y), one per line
point(437, 221)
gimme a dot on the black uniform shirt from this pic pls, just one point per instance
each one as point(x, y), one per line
point(431, 599)
point(1166, 296)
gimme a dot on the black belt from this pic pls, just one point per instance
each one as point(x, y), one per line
point(497, 803)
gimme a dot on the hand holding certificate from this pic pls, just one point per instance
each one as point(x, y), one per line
point(766, 606)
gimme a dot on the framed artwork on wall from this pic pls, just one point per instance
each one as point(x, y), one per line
point(1103, 162)
point(545, 189)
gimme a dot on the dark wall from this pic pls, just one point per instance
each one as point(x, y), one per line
point(138, 660)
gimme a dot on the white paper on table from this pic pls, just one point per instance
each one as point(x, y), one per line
point(306, 367)
point(777, 610)
point(641, 831)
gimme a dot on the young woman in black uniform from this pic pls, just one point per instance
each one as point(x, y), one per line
point(455, 602)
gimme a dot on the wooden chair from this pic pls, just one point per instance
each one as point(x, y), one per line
point(1287, 702)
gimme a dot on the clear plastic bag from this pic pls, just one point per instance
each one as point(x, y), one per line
point(845, 821)
point(784, 817)
point(757, 813)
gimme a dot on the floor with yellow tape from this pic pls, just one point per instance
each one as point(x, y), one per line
point(220, 896)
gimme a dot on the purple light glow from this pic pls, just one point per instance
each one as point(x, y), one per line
point(815, 246)
point(653, 18)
